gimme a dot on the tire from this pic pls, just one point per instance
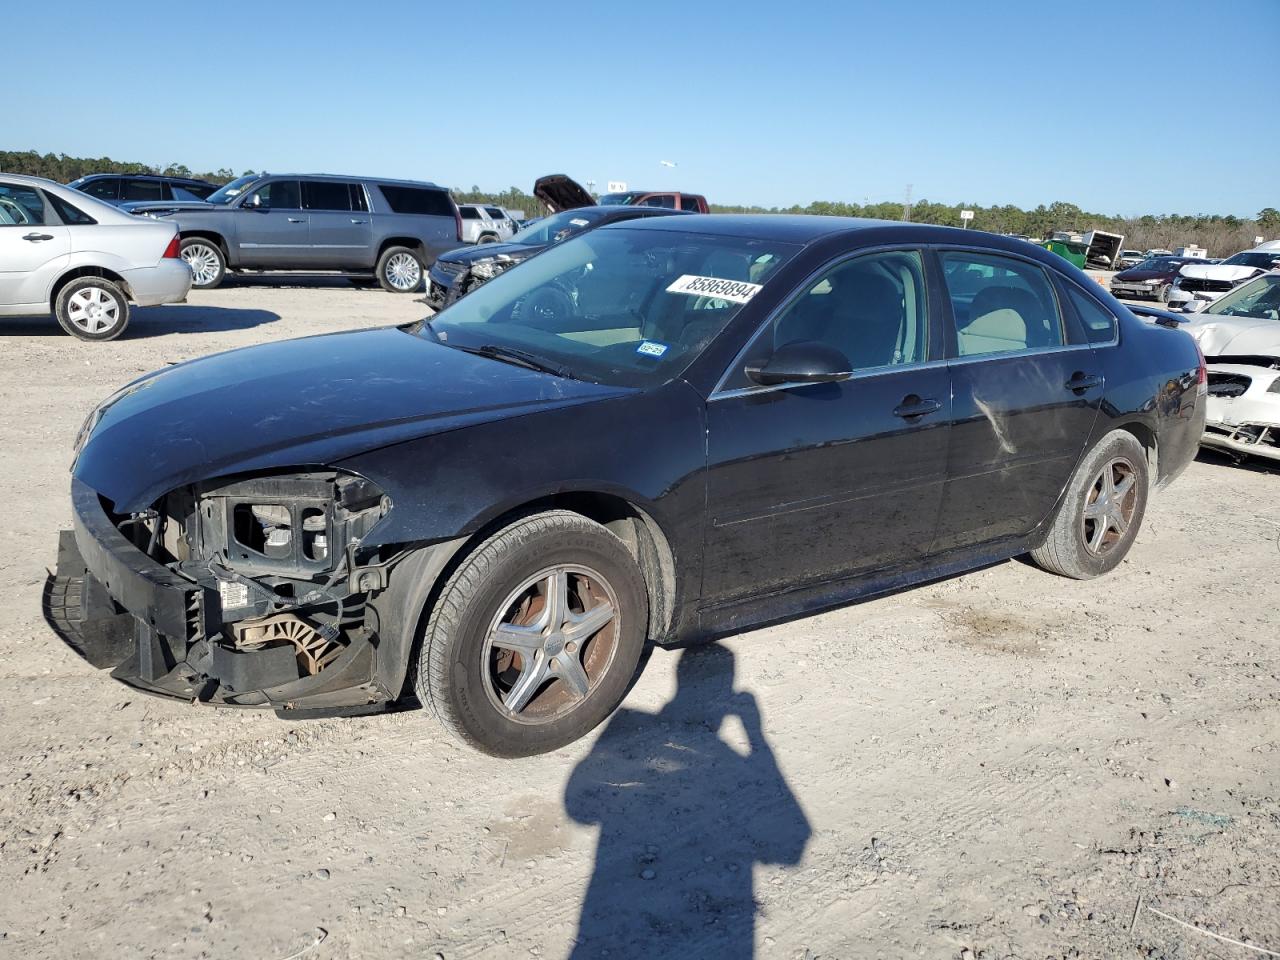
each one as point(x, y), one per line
point(205, 258)
point(1081, 547)
point(400, 270)
point(488, 238)
point(92, 308)
point(510, 705)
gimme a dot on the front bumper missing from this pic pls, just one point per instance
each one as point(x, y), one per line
point(159, 632)
point(1254, 440)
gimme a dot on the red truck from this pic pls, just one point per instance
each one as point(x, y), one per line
point(561, 192)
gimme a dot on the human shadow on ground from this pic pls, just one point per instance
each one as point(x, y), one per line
point(152, 322)
point(684, 817)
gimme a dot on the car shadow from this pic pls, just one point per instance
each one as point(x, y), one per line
point(154, 322)
point(1220, 458)
point(684, 817)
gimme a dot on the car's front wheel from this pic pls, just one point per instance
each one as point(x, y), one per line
point(1101, 511)
point(535, 637)
point(400, 270)
point(92, 308)
point(204, 257)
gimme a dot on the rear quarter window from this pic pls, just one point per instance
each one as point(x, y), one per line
point(1099, 324)
point(419, 200)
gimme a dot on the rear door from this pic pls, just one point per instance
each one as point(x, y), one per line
point(272, 227)
point(812, 482)
point(338, 224)
point(1024, 397)
point(33, 241)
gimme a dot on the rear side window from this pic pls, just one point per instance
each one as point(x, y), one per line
point(20, 206)
point(495, 213)
point(69, 214)
point(419, 200)
point(690, 203)
point(470, 213)
point(142, 190)
point(1099, 324)
point(108, 188)
point(325, 195)
point(1001, 305)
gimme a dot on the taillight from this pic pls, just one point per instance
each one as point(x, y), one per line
point(1202, 374)
point(171, 251)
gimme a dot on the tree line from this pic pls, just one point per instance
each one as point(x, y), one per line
point(1219, 235)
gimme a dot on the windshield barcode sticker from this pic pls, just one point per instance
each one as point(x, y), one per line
point(737, 291)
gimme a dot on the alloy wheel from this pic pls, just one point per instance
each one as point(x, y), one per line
point(550, 644)
point(93, 310)
point(1109, 506)
point(403, 271)
point(203, 261)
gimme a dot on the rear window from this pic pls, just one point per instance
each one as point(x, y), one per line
point(420, 200)
point(470, 213)
point(690, 203)
point(495, 213)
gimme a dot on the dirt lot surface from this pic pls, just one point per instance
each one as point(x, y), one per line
point(1004, 764)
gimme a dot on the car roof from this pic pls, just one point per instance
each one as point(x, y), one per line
point(144, 176)
point(346, 178)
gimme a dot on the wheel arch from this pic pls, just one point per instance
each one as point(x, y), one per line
point(413, 243)
point(1146, 436)
point(75, 273)
point(407, 604)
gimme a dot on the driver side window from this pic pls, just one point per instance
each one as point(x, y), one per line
point(277, 195)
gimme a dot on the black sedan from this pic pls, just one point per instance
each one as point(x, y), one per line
point(460, 271)
point(1152, 278)
point(735, 420)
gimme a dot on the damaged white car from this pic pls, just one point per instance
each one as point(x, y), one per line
point(1201, 283)
point(1239, 335)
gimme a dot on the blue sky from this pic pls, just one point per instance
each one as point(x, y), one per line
point(1117, 107)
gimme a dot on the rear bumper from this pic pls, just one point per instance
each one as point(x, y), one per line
point(159, 632)
point(169, 281)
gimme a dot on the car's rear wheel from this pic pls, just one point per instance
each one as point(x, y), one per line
point(92, 308)
point(400, 270)
point(1102, 511)
point(535, 637)
point(204, 257)
point(488, 238)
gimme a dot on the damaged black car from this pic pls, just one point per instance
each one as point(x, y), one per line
point(731, 421)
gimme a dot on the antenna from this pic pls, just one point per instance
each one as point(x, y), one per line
point(906, 205)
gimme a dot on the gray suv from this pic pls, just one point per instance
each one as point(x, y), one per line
point(372, 229)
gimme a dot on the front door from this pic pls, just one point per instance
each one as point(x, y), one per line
point(810, 482)
point(271, 227)
point(31, 239)
point(1025, 399)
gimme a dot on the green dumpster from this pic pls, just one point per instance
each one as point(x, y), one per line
point(1068, 250)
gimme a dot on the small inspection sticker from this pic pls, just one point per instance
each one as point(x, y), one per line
point(651, 348)
point(737, 291)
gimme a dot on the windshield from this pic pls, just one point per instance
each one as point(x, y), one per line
point(1160, 263)
point(229, 191)
point(1255, 258)
point(557, 227)
point(619, 306)
point(1259, 298)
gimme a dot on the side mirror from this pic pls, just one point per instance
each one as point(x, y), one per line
point(803, 361)
point(255, 202)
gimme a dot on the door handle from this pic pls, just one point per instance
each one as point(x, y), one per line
point(297, 219)
point(914, 407)
point(354, 220)
point(37, 237)
point(1080, 382)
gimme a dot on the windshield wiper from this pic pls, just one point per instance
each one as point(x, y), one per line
point(520, 358)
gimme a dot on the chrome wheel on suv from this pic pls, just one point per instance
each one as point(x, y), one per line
point(208, 266)
point(400, 270)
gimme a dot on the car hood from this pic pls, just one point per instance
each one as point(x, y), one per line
point(561, 192)
point(296, 403)
point(487, 251)
point(1135, 275)
point(1219, 271)
point(1220, 336)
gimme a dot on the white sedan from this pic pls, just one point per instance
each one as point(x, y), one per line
point(83, 260)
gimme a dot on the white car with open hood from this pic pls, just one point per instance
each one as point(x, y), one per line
point(1239, 335)
point(83, 260)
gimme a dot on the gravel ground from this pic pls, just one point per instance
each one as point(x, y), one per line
point(1004, 764)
